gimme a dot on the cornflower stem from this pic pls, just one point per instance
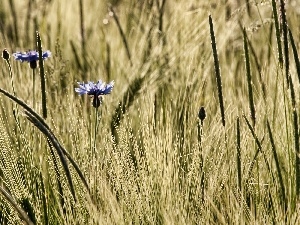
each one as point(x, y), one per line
point(33, 88)
point(94, 159)
point(95, 132)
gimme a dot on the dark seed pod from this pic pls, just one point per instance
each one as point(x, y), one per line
point(5, 54)
point(202, 113)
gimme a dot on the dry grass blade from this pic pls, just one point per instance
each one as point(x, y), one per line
point(116, 18)
point(296, 136)
point(238, 155)
point(20, 211)
point(44, 201)
point(259, 149)
point(77, 58)
point(285, 40)
point(277, 31)
point(296, 56)
point(46, 127)
point(277, 163)
point(15, 20)
point(56, 145)
point(127, 100)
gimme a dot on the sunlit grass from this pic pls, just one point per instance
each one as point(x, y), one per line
point(150, 166)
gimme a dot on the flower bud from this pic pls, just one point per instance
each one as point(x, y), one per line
point(97, 100)
point(5, 54)
point(202, 113)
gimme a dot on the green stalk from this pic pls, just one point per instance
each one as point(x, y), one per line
point(285, 40)
point(238, 155)
point(259, 149)
point(21, 212)
point(282, 188)
point(123, 36)
point(15, 21)
point(95, 132)
point(217, 69)
point(295, 53)
point(277, 31)
point(249, 81)
point(44, 128)
point(42, 75)
point(33, 88)
point(296, 135)
point(82, 29)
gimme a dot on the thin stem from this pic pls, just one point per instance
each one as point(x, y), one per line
point(95, 132)
point(82, 28)
point(11, 76)
point(123, 36)
point(42, 75)
point(33, 88)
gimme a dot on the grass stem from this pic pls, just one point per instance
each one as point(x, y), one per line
point(217, 69)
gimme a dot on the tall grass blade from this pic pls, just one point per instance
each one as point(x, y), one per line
point(28, 20)
point(82, 29)
point(42, 75)
point(15, 21)
point(123, 36)
point(57, 146)
point(249, 81)
point(270, 46)
point(282, 188)
point(277, 32)
point(238, 154)
point(259, 149)
point(296, 56)
point(58, 177)
point(22, 214)
point(41, 123)
point(296, 136)
point(129, 96)
point(285, 40)
point(28, 208)
point(10, 170)
point(44, 200)
point(258, 67)
point(161, 14)
point(248, 7)
point(108, 61)
point(217, 69)
point(77, 58)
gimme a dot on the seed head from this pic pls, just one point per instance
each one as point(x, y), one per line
point(5, 54)
point(202, 113)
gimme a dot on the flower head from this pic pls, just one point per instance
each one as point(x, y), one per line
point(30, 56)
point(95, 90)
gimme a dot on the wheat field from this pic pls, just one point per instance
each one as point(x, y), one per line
point(201, 125)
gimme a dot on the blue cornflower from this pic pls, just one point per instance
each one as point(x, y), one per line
point(31, 57)
point(95, 90)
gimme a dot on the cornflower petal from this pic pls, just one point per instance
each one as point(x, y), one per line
point(31, 56)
